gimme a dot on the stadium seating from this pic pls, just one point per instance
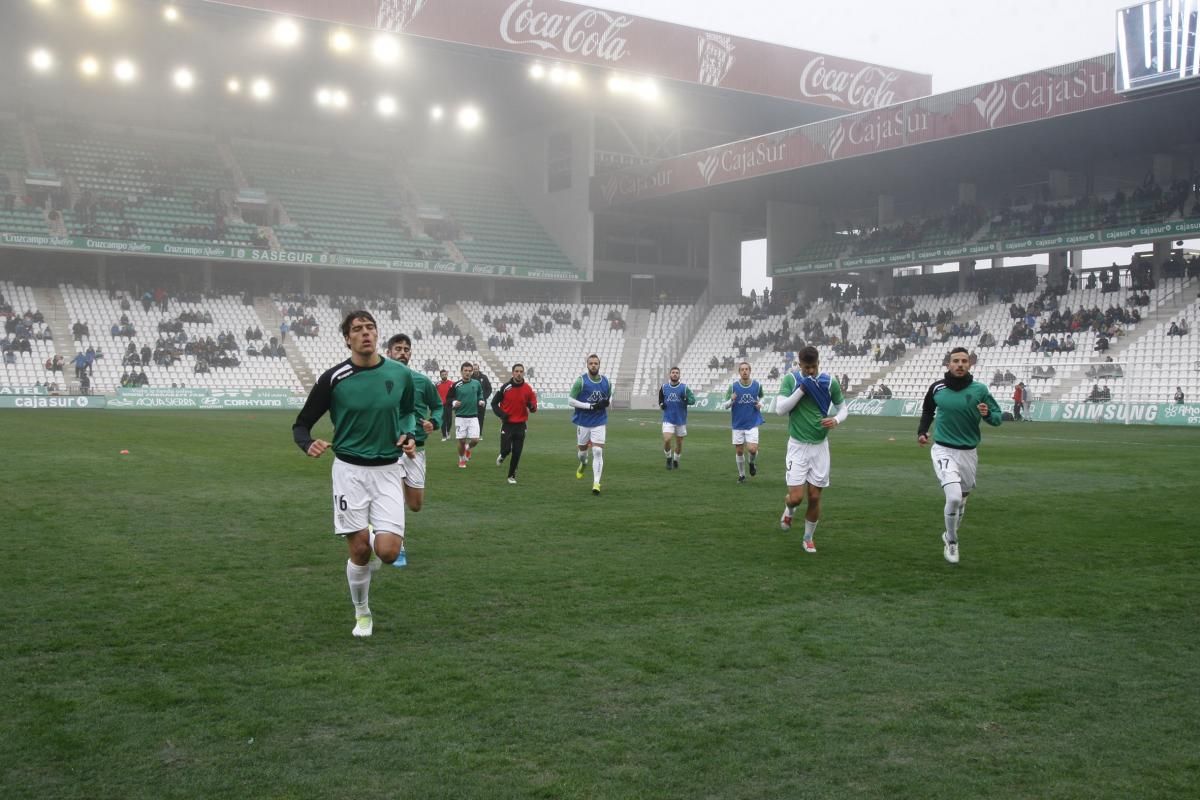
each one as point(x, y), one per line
point(21, 219)
point(496, 226)
point(328, 347)
point(557, 357)
point(228, 313)
point(158, 185)
point(29, 368)
point(336, 203)
point(665, 324)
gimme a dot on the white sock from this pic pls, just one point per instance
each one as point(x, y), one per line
point(667, 452)
point(790, 510)
point(741, 462)
point(597, 463)
point(359, 579)
point(582, 456)
point(952, 513)
point(809, 529)
point(676, 456)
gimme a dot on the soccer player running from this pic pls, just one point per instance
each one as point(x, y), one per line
point(815, 405)
point(429, 418)
point(513, 403)
point(466, 398)
point(370, 401)
point(674, 398)
point(590, 397)
point(954, 405)
point(744, 397)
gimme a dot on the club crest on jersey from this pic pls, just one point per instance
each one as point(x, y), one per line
point(390, 385)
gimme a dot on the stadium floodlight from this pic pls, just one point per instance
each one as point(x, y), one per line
point(233, 86)
point(537, 71)
point(323, 97)
point(648, 90)
point(171, 13)
point(339, 99)
point(618, 84)
point(125, 71)
point(184, 79)
point(573, 77)
point(341, 41)
point(89, 67)
point(436, 113)
point(101, 9)
point(261, 89)
point(469, 118)
point(387, 106)
point(285, 33)
point(41, 59)
point(557, 74)
point(385, 49)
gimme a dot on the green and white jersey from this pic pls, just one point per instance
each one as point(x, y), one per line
point(428, 404)
point(370, 407)
point(804, 421)
point(469, 393)
point(954, 413)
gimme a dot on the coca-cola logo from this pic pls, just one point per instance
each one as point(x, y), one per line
point(869, 87)
point(588, 32)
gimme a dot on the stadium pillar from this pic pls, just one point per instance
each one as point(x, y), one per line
point(489, 290)
point(1162, 253)
point(399, 284)
point(1163, 169)
point(102, 271)
point(207, 276)
point(887, 209)
point(1060, 184)
point(724, 257)
point(306, 280)
point(1057, 276)
point(885, 280)
point(966, 274)
point(573, 293)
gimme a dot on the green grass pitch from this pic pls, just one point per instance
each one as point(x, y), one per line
point(177, 623)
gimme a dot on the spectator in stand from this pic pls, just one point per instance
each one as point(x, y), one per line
point(283, 331)
point(1179, 398)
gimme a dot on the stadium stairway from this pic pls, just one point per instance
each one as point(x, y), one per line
point(264, 307)
point(50, 303)
point(1168, 308)
point(494, 363)
point(637, 322)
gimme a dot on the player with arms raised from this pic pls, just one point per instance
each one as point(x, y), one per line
point(954, 406)
point(815, 405)
point(590, 397)
point(370, 401)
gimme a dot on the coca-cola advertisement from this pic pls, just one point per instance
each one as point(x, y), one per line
point(579, 33)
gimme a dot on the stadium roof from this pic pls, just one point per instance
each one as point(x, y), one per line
point(1059, 114)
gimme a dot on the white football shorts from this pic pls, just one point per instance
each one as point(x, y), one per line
point(367, 496)
point(414, 469)
point(590, 435)
point(466, 427)
point(748, 436)
point(955, 466)
point(808, 463)
point(672, 429)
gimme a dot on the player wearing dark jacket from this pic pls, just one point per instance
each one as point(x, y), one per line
point(513, 403)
